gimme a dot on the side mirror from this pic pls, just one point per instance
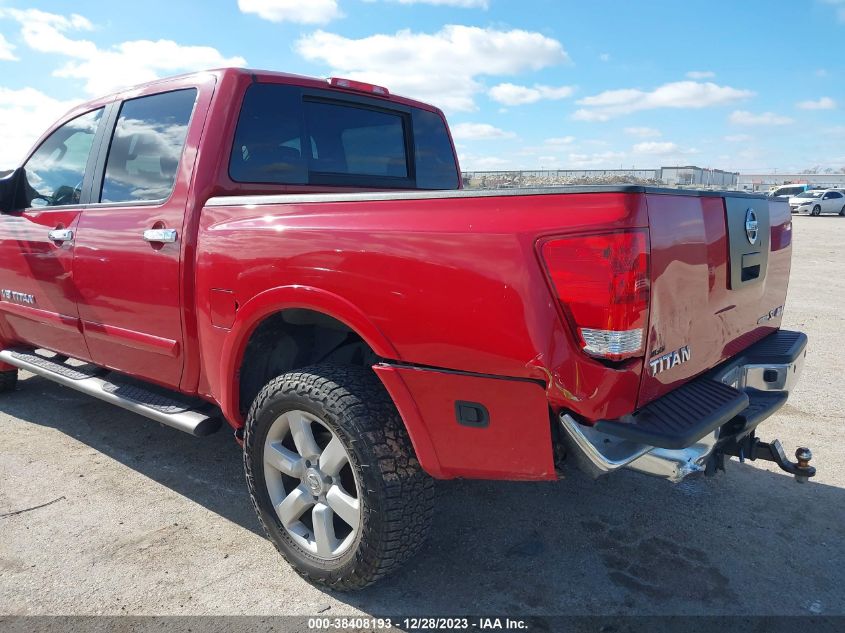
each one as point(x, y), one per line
point(13, 191)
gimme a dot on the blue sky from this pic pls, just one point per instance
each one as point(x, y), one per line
point(748, 85)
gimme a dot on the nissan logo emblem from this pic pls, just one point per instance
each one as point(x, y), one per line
point(751, 226)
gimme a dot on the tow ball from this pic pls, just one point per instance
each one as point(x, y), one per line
point(752, 448)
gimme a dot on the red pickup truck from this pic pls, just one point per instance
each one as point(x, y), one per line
point(296, 257)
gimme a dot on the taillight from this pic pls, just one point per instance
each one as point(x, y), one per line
point(602, 282)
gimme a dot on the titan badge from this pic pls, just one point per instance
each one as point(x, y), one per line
point(668, 361)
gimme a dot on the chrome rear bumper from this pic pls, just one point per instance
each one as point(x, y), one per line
point(771, 367)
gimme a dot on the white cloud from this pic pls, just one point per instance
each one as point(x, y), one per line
point(298, 11)
point(469, 162)
point(605, 57)
point(6, 48)
point(643, 132)
point(463, 4)
point(138, 61)
point(599, 160)
point(104, 70)
point(679, 94)
point(825, 103)
point(738, 138)
point(25, 114)
point(560, 140)
point(660, 148)
point(701, 74)
point(840, 8)
point(513, 95)
point(744, 117)
point(442, 68)
point(479, 132)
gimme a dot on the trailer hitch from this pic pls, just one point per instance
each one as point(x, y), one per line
point(750, 447)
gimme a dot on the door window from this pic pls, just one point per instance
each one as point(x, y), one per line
point(55, 171)
point(146, 147)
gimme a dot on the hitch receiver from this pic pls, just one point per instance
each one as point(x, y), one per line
point(750, 447)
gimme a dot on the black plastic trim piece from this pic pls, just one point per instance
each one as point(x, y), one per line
point(472, 414)
point(780, 348)
point(761, 406)
point(681, 417)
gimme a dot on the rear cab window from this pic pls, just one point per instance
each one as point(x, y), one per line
point(296, 136)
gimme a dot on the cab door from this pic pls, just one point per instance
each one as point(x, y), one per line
point(833, 202)
point(130, 240)
point(38, 292)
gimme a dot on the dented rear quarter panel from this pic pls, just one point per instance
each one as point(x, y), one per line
point(452, 283)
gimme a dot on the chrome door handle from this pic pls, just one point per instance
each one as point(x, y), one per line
point(60, 235)
point(162, 236)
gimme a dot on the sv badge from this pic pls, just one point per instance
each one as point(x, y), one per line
point(668, 361)
point(771, 314)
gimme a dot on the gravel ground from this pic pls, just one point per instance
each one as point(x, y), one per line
point(152, 521)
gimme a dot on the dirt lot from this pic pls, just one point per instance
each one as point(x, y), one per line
point(151, 521)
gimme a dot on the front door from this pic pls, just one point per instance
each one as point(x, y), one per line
point(833, 202)
point(128, 246)
point(38, 292)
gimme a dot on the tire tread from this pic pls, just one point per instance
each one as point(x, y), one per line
point(394, 528)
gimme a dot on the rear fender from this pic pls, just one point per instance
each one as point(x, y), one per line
point(275, 300)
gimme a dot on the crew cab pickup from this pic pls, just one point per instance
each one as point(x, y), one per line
point(296, 257)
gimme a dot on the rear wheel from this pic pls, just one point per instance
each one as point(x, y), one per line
point(8, 380)
point(842, 212)
point(817, 210)
point(333, 477)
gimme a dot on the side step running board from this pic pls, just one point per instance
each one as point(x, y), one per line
point(115, 389)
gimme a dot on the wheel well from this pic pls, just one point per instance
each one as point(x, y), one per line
point(296, 338)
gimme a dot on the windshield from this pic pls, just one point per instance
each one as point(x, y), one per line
point(810, 194)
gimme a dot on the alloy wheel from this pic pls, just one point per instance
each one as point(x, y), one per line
point(312, 485)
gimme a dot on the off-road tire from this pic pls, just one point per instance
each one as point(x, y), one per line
point(8, 380)
point(397, 497)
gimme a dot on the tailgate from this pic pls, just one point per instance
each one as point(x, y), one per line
point(719, 275)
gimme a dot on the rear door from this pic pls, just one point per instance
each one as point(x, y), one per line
point(129, 244)
point(38, 291)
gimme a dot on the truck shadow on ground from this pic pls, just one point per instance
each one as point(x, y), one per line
point(750, 541)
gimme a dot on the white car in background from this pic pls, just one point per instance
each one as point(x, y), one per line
point(788, 191)
point(818, 201)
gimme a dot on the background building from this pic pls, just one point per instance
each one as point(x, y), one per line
point(687, 176)
point(764, 182)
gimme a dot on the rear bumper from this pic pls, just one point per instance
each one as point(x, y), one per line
point(677, 434)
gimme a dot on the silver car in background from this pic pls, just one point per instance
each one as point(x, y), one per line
point(816, 202)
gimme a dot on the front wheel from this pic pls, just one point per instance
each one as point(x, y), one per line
point(817, 210)
point(333, 476)
point(842, 212)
